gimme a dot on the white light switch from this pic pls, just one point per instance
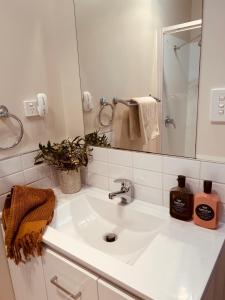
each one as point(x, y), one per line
point(217, 111)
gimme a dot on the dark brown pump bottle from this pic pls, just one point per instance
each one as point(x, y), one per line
point(181, 201)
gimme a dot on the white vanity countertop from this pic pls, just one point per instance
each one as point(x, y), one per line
point(177, 264)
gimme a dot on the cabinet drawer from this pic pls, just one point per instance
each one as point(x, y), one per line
point(66, 280)
point(109, 292)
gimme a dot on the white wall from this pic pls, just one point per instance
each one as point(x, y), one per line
point(197, 9)
point(211, 137)
point(38, 54)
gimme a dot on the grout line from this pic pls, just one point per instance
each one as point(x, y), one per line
point(200, 170)
point(19, 154)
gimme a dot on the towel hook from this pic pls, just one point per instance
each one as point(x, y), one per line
point(4, 113)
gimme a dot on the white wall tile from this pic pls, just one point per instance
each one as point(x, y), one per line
point(114, 186)
point(44, 183)
point(6, 183)
point(120, 157)
point(213, 171)
point(147, 178)
point(54, 177)
point(219, 189)
point(116, 171)
point(166, 198)
point(98, 167)
point(147, 161)
point(2, 201)
point(36, 173)
point(98, 181)
point(101, 154)
point(148, 194)
point(181, 166)
point(222, 213)
point(10, 166)
point(170, 181)
point(28, 160)
point(153, 175)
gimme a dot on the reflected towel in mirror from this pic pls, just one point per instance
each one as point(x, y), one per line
point(148, 118)
point(121, 133)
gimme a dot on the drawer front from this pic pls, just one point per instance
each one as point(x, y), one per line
point(66, 280)
point(109, 292)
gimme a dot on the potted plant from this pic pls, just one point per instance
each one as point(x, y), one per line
point(67, 158)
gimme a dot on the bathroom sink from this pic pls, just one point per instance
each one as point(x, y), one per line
point(116, 230)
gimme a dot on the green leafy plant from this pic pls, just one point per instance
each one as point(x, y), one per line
point(97, 139)
point(68, 155)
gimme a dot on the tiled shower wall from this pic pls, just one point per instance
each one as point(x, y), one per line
point(153, 175)
point(21, 170)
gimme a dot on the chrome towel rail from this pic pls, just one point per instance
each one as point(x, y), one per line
point(4, 113)
point(130, 102)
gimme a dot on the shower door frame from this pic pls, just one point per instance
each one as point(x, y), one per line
point(162, 32)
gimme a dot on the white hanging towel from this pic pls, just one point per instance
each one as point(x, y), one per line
point(88, 104)
point(148, 118)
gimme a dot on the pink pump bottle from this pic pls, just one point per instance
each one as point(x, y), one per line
point(206, 207)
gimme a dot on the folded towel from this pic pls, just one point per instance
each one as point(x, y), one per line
point(121, 136)
point(148, 118)
point(134, 123)
point(26, 213)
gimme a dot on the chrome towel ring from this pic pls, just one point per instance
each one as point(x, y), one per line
point(4, 113)
point(104, 103)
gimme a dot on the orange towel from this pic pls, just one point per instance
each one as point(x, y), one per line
point(26, 213)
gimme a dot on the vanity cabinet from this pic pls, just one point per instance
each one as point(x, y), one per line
point(108, 292)
point(28, 280)
point(66, 280)
point(53, 277)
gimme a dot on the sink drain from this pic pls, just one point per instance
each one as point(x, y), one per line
point(110, 237)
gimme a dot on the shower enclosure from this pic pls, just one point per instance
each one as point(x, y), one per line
point(180, 84)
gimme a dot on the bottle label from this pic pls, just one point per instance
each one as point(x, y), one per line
point(205, 212)
point(179, 205)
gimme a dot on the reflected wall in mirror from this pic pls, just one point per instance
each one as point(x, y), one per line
point(139, 66)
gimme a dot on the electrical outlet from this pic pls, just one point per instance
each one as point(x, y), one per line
point(30, 108)
point(217, 111)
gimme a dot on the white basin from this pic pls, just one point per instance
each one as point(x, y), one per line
point(88, 219)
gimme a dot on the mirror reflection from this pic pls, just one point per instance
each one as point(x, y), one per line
point(140, 66)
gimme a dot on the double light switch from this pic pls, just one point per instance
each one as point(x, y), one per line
point(217, 112)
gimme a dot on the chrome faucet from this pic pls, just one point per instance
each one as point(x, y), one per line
point(126, 191)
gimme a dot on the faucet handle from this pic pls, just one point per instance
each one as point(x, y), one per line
point(125, 183)
point(126, 192)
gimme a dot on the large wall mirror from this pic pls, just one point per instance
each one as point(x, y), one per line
point(140, 67)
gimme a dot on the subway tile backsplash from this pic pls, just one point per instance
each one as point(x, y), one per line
point(154, 175)
point(21, 170)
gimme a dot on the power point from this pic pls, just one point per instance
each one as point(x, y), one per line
point(30, 108)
